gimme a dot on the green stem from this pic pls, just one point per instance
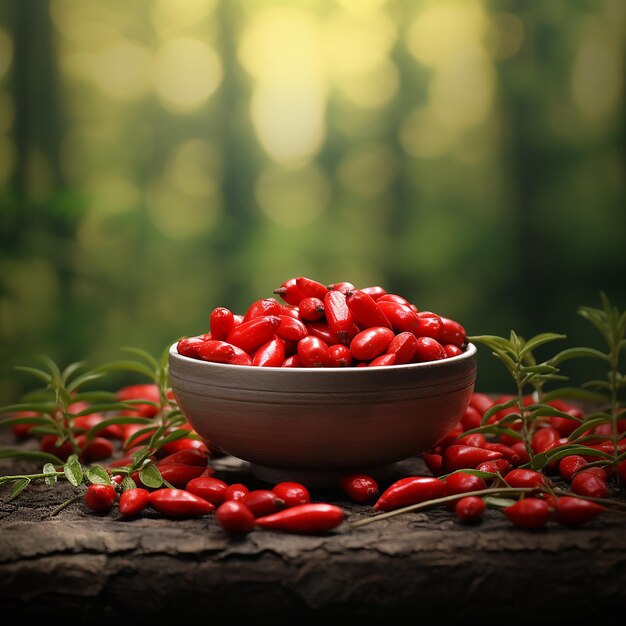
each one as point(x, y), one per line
point(65, 504)
point(7, 479)
point(604, 501)
point(526, 431)
point(443, 500)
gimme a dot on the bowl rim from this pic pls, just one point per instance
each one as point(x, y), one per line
point(470, 351)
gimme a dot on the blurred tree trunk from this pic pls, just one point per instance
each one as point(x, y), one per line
point(38, 126)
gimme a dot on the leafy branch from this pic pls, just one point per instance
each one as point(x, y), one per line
point(611, 324)
point(53, 410)
point(517, 417)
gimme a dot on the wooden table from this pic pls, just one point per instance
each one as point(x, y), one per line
point(425, 565)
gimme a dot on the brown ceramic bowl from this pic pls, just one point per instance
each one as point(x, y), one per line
point(313, 424)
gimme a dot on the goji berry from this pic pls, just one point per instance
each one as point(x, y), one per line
point(403, 345)
point(221, 322)
point(251, 334)
point(263, 502)
point(452, 332)
point(289, 292)
point(365, 310)
point(428, 349)
point(588, 483)
point(522, 478)
point(311, 309)
point(311, 288)
point(133, 501)
point(313, 517)
point(235, 517)
point(462, 482)
point(371, 342)
point(359, 487)
point(410, 490)
point(259, 308)
point(570, 465)
point(236, 491)
point(338, 315)
point(100, 498)
point(292, 493)
point(179, 503)
point(339, 356)
point(470, 509)
point(529, 513)
point(456, 457)
point(313, 352)
point(270, 354)
point(208, 487)
point(573, 511)
point(216, 351)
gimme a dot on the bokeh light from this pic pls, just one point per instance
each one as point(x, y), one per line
point(186, 72)
point(158, 159)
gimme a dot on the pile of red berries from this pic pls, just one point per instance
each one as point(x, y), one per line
point(319, 325)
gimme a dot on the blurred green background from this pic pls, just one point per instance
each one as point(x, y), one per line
point(160, 158)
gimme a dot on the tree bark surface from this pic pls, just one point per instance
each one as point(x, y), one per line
point(423, 565)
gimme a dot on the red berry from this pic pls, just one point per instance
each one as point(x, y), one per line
point(529, 513)
point(100, 498)
point(470, 509)
point(235, 517)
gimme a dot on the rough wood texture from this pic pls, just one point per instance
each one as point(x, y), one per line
point(80, 565)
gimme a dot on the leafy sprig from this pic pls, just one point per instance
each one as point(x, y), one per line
point(608, 394)
point(517, 417)
point(50, 411)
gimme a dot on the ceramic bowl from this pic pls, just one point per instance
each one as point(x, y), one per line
point(314, 424)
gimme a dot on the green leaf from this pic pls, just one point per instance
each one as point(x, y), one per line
point(131, 366)
point(545, 410)
point(18, 486)
point(113, 421)
point(44, 376)
point(128, 483)
point(140, 456)
point(35, 421)
point(556, 454)
point(142, 354)
point(173, 436)
point(591, 421)
point(70, 370)
point(150, 476)
point(143, 431)
point(496, 408)
point(597, 384)
point(578, 353)
point(73, 471)
point(38, 407)
point(473, 472)
point(495, 502)
point(491, 341)
point(51, 479)
point(575, 393)
point(52, 366)
point(94, 396)
point(30, 455)
point(539, 340)
point(79, 381)
point(176, 421)
point(542, 368)
point(595, 316)
point(98, 475)
point(103, 408)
